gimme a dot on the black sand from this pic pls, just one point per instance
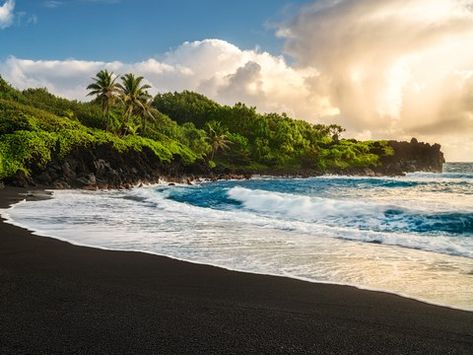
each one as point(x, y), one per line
point(59, 298)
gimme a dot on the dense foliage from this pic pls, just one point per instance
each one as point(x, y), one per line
point(271, 142)
point(36, 127)
point(33, 132)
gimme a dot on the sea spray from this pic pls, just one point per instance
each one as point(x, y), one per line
point(409, 235)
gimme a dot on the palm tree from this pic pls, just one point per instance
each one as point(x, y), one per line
point(105, 89)
point(135, 97)
point(144, 111)
point(217, 138)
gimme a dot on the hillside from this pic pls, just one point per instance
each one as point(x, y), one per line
point(50, 141)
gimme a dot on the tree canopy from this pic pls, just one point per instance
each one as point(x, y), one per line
point(36, 125)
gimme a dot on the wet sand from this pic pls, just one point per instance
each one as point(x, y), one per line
point(60, 298)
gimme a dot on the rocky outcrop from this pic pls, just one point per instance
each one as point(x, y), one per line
point(104, 167)
point(412, 156)
point(408, 157)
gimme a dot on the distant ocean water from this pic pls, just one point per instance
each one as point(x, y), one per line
point(409, 235)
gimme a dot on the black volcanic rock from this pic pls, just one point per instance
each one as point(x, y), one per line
point(102, 167)
point(412, 156)
point(105, 167)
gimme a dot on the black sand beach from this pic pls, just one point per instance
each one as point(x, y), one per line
point(60, 298)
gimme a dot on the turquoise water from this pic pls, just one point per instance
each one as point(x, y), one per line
point(410, 235)
point(426, 204)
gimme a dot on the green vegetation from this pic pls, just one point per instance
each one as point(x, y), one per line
point(37, 127)
point(104, 88)
point(269, 142)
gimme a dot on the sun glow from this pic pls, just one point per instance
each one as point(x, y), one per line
point(393, 68)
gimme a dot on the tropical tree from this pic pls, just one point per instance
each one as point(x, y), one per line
point(144, 111)
point(217, 138)
point(105, 90)
point(135, 98)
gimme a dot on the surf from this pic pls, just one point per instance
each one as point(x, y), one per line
point(409, 235)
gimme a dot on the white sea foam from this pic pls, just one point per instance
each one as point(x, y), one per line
point(300, 207)
point(271, 232)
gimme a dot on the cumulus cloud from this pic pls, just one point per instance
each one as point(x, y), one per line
point(393, 67)
point(214, 67)
point(382, 69)
point(6, 13)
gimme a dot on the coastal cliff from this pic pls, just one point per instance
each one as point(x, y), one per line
point(105, 167)
point(48, 141)
point(413, 156)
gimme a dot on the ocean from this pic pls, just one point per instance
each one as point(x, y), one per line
point(410, 235)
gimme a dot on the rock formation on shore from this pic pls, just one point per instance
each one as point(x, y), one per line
point(104, 167)
point(413, 156)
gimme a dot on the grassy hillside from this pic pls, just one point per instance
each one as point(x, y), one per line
point(37, 127)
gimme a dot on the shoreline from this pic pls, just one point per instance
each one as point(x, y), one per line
point(43, 194)
point(223, 310)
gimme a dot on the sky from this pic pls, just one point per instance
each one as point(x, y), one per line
point(390, 69)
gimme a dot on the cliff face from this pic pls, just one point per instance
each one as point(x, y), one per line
point(104, 167)
point(412, 156)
